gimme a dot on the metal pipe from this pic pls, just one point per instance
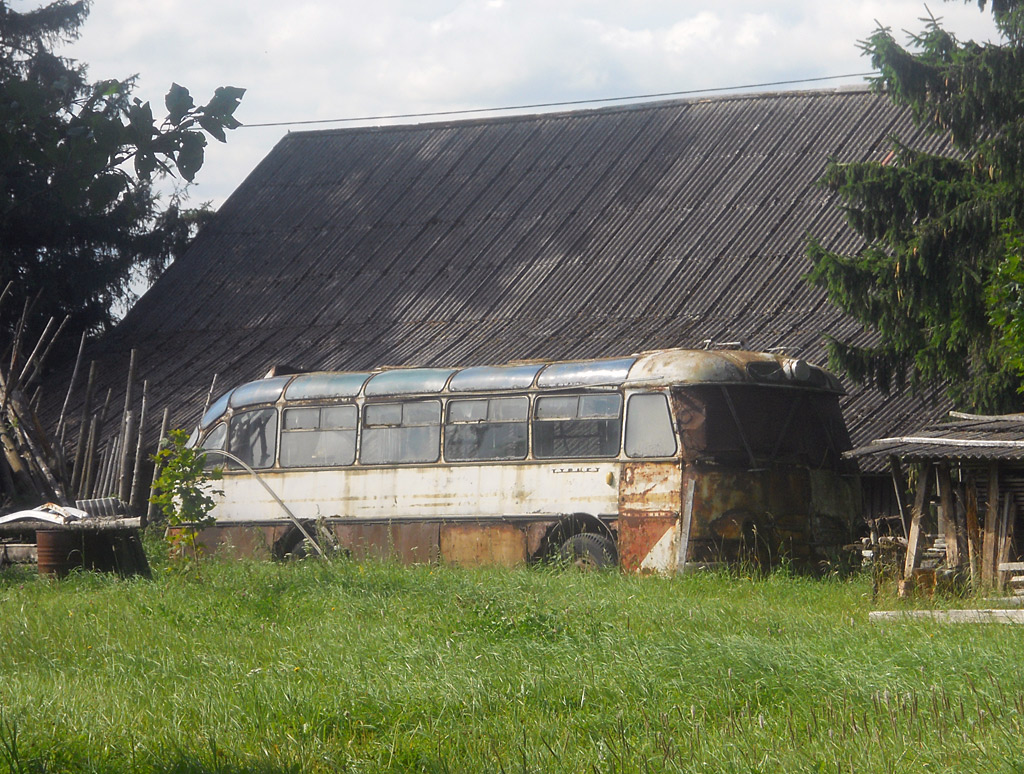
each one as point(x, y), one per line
point(294, 519)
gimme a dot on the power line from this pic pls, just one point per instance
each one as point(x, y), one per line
point(569, 103)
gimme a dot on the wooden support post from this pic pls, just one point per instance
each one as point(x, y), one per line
point(973, 531)
point(88, 461)
point(151, 511)
point(949, 520)
point(899, 483)
point(136, 489)
point(103, 472)
point(990, 532)
point(1009, 516)
point(99, 458)
point(124, 443)
point(71, 384)
point(131, 381)
point(77, 474)
point(99, 463)
point(113, 468)
point(209, 396)
point(924, 481)
point(17, 382)
point(125, 460)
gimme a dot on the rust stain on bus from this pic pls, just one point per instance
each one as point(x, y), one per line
point(472, 545)
point(638, 534)
point(412, 542)
point(759, 515)
point(239, 540)
point(649, 508)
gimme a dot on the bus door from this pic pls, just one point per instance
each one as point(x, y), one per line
point(650, 487)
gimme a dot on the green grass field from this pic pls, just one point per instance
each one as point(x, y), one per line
point(339, 666)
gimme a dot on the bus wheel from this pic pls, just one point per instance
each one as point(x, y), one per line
point(293, 546)
point(589, 551)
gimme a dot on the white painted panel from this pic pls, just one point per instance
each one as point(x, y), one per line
point(425, 491)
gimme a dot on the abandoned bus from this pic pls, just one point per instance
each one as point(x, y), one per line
point(656, 462)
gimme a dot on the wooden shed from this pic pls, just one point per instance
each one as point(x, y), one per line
point(960, 511)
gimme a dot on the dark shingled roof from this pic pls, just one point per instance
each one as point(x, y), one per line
point(562, 235)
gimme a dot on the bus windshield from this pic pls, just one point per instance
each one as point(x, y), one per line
point(754, 424)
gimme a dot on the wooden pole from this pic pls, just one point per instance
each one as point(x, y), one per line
point(83, 429)
point(102, 457)
point(899, 483)
point(71, 384)
point(88, 461)
point(949, 520)
point(973, 530)
point(209, 397)
point(16, 346)
point(100, 427)
point(131, 381)
point(136, 489)
point(924, 480)
point(101, 489)
point(151, 510)
point(123, 442)
point(125, 461)
point(1005, 538)
point(6, 476)
point(37, 369)
point(22, 479)
point(16, 383)
point(991, 527)
point(111, 469)
point(32, 442)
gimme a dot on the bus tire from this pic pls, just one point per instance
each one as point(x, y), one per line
point(292, 547)
point(589, 551)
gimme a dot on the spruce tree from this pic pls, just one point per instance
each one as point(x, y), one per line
point(79, 215)
point(937, 283)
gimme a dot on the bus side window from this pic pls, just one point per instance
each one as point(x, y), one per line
point(253, 437)
point(577, 426)
point(215, 439)
point(649, 427)
point(486, 429)
point(318, 436)
point(401, 432)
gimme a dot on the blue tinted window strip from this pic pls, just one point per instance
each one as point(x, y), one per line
point(485, 378)
point(325, 385)
point(216, 411)
point(263, 391)
point(580, 374)
point(408, 381)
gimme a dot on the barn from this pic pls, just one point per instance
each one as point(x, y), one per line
point(560, 235)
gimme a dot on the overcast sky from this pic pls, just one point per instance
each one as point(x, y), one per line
point(328, 59)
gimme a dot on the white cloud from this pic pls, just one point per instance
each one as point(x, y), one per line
point(686, 35)
point(323, 59)
point(754, 30)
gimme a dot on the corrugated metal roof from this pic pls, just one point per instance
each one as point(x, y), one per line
point(980, 438)
point(565, 235)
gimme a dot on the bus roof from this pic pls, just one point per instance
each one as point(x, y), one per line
point(659, 368)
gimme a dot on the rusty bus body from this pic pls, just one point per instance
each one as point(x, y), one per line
point(658, 462)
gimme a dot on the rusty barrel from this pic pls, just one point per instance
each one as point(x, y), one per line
point(59, 551)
